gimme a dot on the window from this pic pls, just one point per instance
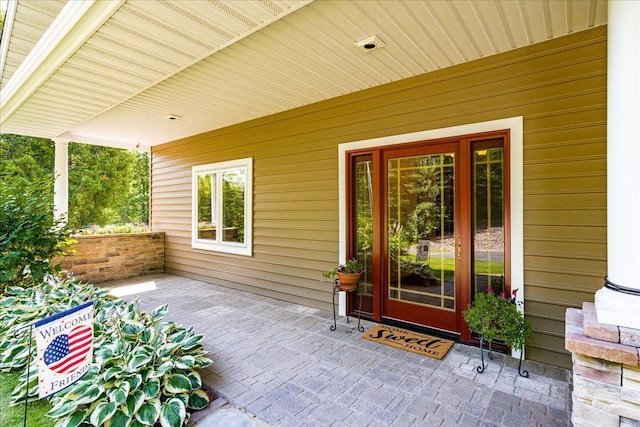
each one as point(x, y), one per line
point(222, 206)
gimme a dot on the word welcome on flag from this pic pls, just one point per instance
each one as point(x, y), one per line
point(64, 344)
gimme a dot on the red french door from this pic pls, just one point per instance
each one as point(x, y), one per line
point(421, 249)
point(428, 220)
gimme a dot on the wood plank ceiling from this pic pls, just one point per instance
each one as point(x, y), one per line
point(112, 72)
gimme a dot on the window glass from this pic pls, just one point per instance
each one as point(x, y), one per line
point(233, 188)
point(206, 206)
point(222, 206)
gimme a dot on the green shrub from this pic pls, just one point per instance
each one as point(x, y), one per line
point(29, 234)
point(497, 317)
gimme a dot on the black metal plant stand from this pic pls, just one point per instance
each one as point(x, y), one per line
point(480, 369)
point(336, 289)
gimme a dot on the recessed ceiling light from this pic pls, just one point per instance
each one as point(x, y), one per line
point(173, 117)
point(370, 43)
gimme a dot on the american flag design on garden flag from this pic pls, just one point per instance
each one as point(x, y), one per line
point(66, 352)
point(64, 343)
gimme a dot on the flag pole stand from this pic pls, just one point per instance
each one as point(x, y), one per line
point(26, 397)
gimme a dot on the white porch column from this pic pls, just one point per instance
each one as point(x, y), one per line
point(61, 186)
point(618, 302)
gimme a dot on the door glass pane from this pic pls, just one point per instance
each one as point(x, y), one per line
point(420, 227)
point(488, 221)
point(233, 209)
point(363, 230)
point(206, 206)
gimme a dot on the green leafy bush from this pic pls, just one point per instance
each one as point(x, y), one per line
point(145, 370)
point(497, 317)
point(29, 234)
point(115, 229)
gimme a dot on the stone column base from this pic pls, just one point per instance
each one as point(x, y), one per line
point(606, 370)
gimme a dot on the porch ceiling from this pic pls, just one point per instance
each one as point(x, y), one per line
point(110, 72)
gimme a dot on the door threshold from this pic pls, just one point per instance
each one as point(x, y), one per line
point(421, 329)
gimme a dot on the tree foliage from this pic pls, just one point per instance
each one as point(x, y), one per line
point(30, 236)
point(106, 185)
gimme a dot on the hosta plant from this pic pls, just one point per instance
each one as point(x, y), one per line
point(22, 306)
point(144, 370)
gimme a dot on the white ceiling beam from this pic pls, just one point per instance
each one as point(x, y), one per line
point(105, 142)
point(77, 21)
point(6, 33)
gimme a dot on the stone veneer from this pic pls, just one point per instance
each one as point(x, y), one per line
point(606, 370)
point(101, 257)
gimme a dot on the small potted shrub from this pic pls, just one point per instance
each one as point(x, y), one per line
point(494, 316)
point(347, 274)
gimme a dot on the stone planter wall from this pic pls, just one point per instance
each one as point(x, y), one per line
point(99, 258)
point(606, 370)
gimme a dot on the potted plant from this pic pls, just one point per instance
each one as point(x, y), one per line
point(494, 316)
point(347, 274)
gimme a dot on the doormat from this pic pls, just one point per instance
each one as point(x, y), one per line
point(411, 341)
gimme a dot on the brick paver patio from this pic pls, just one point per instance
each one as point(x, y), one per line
point(280, 362)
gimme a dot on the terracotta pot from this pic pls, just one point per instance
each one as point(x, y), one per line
point(349, 282)
point(349, 287)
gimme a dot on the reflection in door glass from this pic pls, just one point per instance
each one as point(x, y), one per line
point(488, 221)
point(420, 227)
point(363, 227)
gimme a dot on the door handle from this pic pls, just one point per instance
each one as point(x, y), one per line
point(459, 248)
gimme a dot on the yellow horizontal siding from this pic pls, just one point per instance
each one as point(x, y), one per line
point(559, 87)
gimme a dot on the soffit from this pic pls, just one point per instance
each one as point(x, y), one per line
point(32, 20)
point(220, 63)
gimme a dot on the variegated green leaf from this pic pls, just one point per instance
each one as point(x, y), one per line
point(182, 396)
point(159, 312)
point(113, 372)
point(90, 395)
point(134, 402)
point(102, 412)
point(151, 388)
point(137, 361)
point(74, 419)
point(17, 351)
point(177, 383)
point(168, 348)
point(203, 361)
point(149, 412)
point(136, 423)
point(149, 336)
point(77, 390)
point(119, 419)
point(162, 369)
point(103, 354)
point(119, 394)
point(134, 381)
point(178, 335)
point(173, 413)
point(192, 342)
point(66, 407)
point(132, 328)
point(196, 380)
point(198, 400)
point(185, 362)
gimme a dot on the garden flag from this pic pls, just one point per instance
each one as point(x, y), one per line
point(64, 343)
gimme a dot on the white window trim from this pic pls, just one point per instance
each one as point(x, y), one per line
point(245, 248)
point(516, 140)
